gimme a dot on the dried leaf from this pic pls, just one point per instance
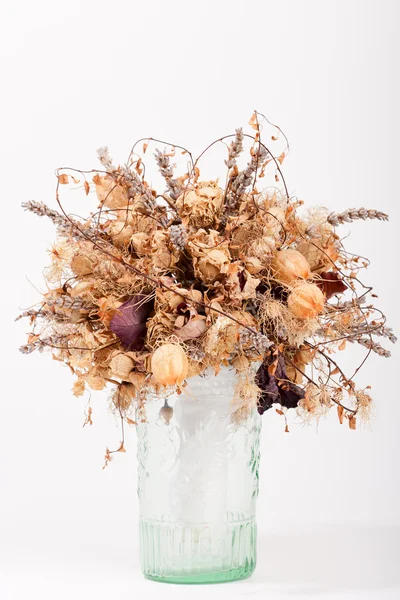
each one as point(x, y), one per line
point(253, 122)
point(63, 178)
point(129, 322)
point(276, 388)
point(281, 158)
point(331, 284)
point(78, 388)
point(87, 188)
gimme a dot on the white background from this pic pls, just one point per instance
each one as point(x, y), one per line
point(77, 75)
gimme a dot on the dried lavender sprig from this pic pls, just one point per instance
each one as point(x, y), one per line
point(32, 312)
point(174, 186)
point(105, 158)
point(351, 303)
point(44, 314)
point(235, 148)
point(65, 301)
point(353, 214)
point(245, 178)
point(65, 227)
point(380, 331)
point(371, 345)
point(178, 236)
point(42, 344)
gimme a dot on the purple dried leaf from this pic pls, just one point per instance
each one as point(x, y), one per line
point(276, 389)
point(129, 322)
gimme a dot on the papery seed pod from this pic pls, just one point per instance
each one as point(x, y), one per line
point(82, 265)
point(169, 364)
point(121, 233)
point(289, 265)
point(166, 412)
point(306, 301)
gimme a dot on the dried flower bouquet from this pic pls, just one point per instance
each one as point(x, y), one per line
point(155, 287)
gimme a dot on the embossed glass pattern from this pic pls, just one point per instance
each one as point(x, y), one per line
point(198, 485)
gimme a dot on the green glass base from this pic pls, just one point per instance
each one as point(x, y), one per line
point(194, 579)
point(198, 554)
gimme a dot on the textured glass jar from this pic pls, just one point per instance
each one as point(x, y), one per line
point(198, 485)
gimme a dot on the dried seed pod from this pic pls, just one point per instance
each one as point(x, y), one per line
point(166, 412)
point(169, 364)
point(121, 365)
point(82, 265)
point(121, 233)
point(306, 301)
point(289, 265)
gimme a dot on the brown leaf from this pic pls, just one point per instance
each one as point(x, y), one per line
point(63, 178)
point(281, 158)
point(340, 414)
point(342, 345)
point(279, 411)
point(145, 146)
point(352, 422)
point(331, 284)
point(253, 121)
point(87, 188)
point(78, 388)
point(130, 421)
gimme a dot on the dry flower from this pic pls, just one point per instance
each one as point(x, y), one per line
point(154, 287)
point(201, 206)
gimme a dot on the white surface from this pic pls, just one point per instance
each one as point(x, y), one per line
point(77, 75)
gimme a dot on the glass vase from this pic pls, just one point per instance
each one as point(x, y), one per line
point(198, 485)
